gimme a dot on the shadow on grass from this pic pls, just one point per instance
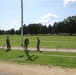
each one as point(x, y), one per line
point(29, 57)
point(8, 50)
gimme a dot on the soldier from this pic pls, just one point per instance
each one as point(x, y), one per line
point(8, 43)
point(38, 44)
point(26, 43)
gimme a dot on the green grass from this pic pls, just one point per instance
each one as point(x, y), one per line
point(39, 58)
point(46, 41)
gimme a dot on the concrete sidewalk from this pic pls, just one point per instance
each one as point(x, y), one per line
point(42, 49)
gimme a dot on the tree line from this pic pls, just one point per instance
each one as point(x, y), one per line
point(65, 27)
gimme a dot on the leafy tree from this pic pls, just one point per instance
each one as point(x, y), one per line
point(34, 29)
point(44, 29)
point(67, 26)
point(2, 32)
point(12, 31)
point(25, 29)
point(17, 32)
point(49, 29)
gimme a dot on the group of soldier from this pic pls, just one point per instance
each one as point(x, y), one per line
point(26, 43)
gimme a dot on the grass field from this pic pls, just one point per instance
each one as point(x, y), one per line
point(40, 58)
point(46, 41)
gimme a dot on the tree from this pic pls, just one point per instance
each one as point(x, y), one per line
point(25, 29)
point(17, 32)
point(49, 29)
point(44, 29)
point(12, 31)
point(2, 32)
point(54, 28)
point(70, 24)
point(34, 29)
point(67, 26)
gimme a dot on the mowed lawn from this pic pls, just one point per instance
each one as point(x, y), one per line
point(46, 41)
point(39, 58)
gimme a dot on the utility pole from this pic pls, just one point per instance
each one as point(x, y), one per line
point(21, 22)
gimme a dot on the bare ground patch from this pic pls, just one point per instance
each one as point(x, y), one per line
point(16, 69)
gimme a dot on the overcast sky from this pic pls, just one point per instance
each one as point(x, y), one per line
point(35, 11)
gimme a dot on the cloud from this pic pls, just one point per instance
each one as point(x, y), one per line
point(67, 2)
point(42, 21)
point(52, 22)
point(15, 24)
point(6, 25)
point(45, 19)
point(49, 15)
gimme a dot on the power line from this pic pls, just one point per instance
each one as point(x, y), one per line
point(46, 5)
point(8, 9)
point(11, 7)
point(55, 3)
point(34, 4)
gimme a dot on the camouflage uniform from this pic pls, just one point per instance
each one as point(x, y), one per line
point(26, 43)
point(38, 44)
point(8, 43)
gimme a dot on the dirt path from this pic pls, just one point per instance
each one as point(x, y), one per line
point(44, 49)
point(16, 69)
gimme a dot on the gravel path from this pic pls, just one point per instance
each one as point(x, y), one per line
point(44, 49)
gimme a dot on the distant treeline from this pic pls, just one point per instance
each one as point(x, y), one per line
point(65, 27)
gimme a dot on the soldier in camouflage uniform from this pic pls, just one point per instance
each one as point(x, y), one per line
point(26, 43)
point(38, 44)
point(8, 43)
